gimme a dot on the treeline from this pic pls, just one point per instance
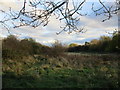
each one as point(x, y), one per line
point(13, 48)
point(103, 44)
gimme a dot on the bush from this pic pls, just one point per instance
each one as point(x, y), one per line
point(57, 49)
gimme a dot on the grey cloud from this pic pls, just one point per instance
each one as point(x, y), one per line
point(47, 35)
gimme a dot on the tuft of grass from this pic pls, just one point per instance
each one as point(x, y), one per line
point(69, 71)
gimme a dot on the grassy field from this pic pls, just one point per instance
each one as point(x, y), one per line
point(72, 70)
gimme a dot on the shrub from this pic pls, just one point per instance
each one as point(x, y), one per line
point(57, 49)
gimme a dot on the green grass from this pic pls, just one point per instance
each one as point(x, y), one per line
point(60, 78)
point(93, 72)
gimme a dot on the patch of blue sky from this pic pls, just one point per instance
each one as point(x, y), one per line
point(48, 35)
point(25, 37)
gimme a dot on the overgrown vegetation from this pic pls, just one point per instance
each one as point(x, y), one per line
point(104, 44)
point(28, 64)
point(15, 48)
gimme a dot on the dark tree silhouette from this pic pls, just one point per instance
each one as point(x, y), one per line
point(37, 12)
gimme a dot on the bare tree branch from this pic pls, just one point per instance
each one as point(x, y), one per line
point(106, 11)
point(65, 10)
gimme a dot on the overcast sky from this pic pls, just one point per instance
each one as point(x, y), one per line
point(47, 35)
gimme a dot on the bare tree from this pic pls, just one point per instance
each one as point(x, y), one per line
point(37, 12)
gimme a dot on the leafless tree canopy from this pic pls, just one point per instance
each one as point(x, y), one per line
point(37, 12)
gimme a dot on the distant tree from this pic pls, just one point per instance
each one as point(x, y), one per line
point(104, 43)
point(94, 41)
point(104, 38)
point(11, 48)
point(57, 49)
point(73, 45)
point(11, 42)
point(115, 43)
point(87, 43)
